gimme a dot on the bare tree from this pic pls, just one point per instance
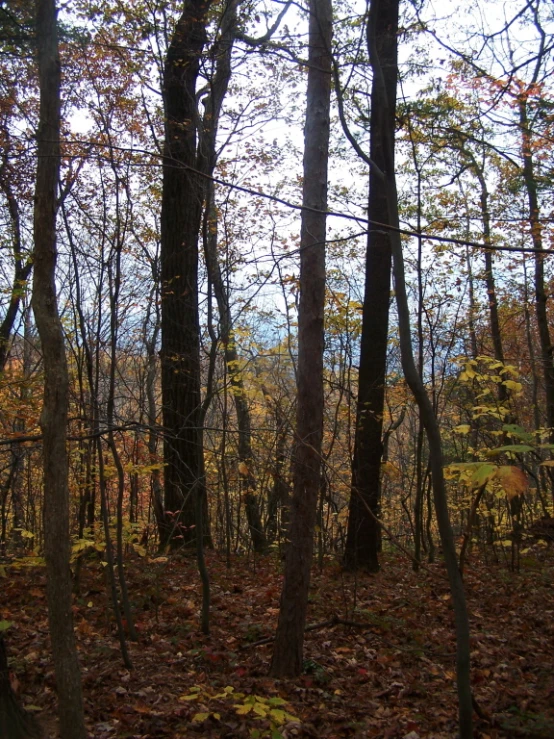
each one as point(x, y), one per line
point(289, 640)
point(56, 385)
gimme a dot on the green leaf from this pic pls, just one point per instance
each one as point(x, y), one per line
point(517, 431)
point(5, 625)
point(483, 473)
point(513, 448)
point(276, 701)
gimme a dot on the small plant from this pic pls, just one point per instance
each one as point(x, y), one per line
point(270, 710)
point(320, 676)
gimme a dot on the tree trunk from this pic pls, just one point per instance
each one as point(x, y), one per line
point(15, 722)
point(182, 200)
point(427, 412)
point(362, 541)
point(547, 350)
point(289, 640)
point(206, 163)
point(54, 412)
point(21, 269)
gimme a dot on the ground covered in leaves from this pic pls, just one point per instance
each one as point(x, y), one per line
point(388, 674)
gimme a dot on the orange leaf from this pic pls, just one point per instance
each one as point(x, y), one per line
point(513, 480)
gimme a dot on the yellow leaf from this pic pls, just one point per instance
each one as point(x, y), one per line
point(513, 480)
point(391, 471)
point(243, 468)
point(463, 428)
point(199, 717)
point(515, 387)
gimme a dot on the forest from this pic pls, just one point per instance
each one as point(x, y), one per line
point(276, 369)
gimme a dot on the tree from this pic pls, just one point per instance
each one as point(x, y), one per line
point(289, 639)
point(426, 410)
point(213, 102)
point(182, 201)
point(15, 722)
point(56, 384)
point(363, 537)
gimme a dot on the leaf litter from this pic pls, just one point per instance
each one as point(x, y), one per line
point(379, 662)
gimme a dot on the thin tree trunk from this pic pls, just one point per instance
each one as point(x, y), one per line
point(289, 640)
point(427, 413)
point(534, 218)
point(56, 384)
point(22, 269)
point(207, 157)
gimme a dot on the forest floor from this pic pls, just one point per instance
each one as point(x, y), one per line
point(388, 676)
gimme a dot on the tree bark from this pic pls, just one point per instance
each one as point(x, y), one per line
point(55, 405)
point(15, 722)
point(182, 201)
point(363, 535)
point(289, 640)
point(535, 225)
point(427, 412)
point(22, 269)
point(206, 163)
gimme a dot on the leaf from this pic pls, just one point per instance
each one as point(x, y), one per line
point(513, 448)
point(243, 709)
point(513, 480)
point(517, 431)
point(5, 625)
point(277, 701)
point(199, 717)
point(515, 387)
point(391, 470)
point(463, 428)
point(483, 473)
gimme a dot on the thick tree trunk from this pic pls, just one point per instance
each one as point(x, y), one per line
point(289, 640)
point(15, 722)
point(54, 413)
point(182, 200)
point(363, 537)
